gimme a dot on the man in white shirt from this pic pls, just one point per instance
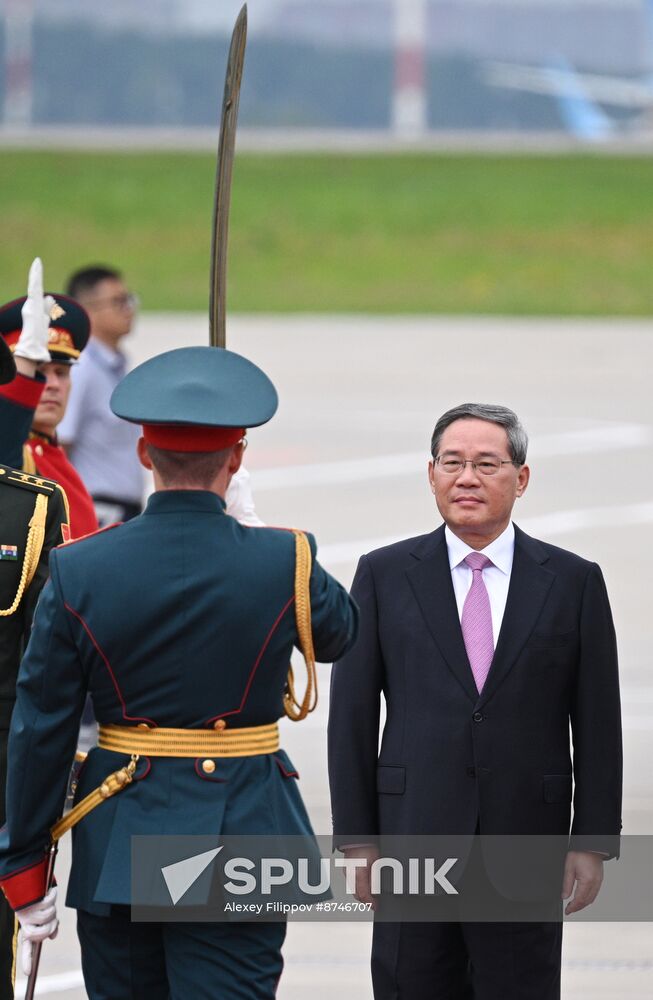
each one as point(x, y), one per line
point(488, 646)
point(101, 447)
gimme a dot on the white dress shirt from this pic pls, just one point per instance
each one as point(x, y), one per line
point(496, 577)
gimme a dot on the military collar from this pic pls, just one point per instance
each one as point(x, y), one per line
point(41, 438)
point(174, 501)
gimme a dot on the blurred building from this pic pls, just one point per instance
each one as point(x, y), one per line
point(314, 63)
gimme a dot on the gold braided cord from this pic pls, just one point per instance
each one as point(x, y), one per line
point(29, 465)
point(294, 709)
point(33, 549)
point(64, 497)
point(112, 784)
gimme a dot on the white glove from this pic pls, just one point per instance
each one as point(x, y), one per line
point(37, 922)
point(240, 500)
point(33, 341)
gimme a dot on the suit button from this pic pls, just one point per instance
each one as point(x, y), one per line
point(471, 772)
point(478, 716)
point(208, 766)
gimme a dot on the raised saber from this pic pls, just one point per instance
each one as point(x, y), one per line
point(226, 151)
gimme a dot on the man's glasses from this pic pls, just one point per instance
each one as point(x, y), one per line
point(126, 301)
point(486, 466)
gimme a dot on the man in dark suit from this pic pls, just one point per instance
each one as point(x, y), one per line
point(486, 645)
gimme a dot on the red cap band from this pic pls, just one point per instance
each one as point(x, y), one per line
point(180, 437)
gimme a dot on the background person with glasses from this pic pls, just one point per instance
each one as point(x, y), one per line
point(101, 447)
point(488, 645)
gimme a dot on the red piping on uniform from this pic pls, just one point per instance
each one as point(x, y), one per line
point(235, 711)
point(139, 777)
point(286, 774)
point(208, 777)
point(91, 534)
point(127, 718)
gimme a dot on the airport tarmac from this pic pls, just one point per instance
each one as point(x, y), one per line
point(346, 457)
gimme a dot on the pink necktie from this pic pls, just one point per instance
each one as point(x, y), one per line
point(476, 621)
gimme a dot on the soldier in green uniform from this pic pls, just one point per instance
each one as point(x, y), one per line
point(180, 623)
point(32, 512)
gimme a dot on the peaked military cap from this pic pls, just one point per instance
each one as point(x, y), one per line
point(69, 327)
point(195, 398)
point(7, 364)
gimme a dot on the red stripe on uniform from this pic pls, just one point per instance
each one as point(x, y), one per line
point(235, 711)
point(127, 718)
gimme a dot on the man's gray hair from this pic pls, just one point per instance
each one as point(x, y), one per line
point(501, 415)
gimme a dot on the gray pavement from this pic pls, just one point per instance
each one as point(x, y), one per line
point(344, 141)
point(359, 397)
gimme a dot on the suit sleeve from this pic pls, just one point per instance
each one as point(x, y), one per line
point(334, 615)
point(49, 701)
point(18, 401)
point(356, 685)
point(596, 726)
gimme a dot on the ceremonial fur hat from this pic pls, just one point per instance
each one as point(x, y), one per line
point(195, 398)
point(69, 327)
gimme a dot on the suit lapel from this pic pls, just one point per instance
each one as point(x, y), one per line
point(530, 582)
point(430, 579)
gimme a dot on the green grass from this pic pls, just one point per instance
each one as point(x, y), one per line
point(407, 234)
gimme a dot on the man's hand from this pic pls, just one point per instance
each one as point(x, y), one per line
point(33, 341)
point(37, 922)
point(584, 870)
point(369, 854)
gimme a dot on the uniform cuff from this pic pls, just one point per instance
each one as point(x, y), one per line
point(26, 886)
point(24, 391)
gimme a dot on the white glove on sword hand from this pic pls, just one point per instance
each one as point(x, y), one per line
point(37, 922)
point(33, 341)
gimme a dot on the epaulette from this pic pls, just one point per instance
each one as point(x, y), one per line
point(91, 534)
point(37, 484)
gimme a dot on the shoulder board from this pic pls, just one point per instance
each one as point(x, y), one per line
point(14, 477)
point(91, 534)
point(277, 527)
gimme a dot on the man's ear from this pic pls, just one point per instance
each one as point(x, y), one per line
point(431, 473)
point(143, 454)
point(523, 476)
point(236, 457)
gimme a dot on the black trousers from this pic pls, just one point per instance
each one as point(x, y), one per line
point(122, 960)
point(468, 960)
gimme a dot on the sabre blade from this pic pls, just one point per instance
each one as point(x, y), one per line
point(226, 151)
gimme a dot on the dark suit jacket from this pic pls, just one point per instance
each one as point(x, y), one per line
point(453, 761)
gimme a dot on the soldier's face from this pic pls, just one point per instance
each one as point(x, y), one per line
point(52, 406)
point(476, 507)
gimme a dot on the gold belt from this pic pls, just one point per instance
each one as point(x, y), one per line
point(156, 742)
point(219, 742)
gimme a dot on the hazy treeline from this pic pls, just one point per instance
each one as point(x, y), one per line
point(84, 76)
